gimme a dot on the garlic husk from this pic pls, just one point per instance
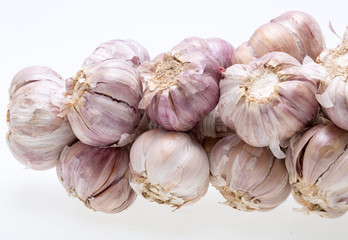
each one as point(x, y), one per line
point(97, 176)
point(267, 101)
point(101, 103)
point(168, 168)
point(36, 134)
point(128, 50)
point(332, 73)
point(317, 162)
point(249, 178)
point(294, 32)
point(181, 86)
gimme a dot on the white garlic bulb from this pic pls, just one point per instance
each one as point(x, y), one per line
point(36, 134)
point(268, 100)
point(119, 49)
point(295, 32)
point(101, 103)
point(249, 178)
point(332, 73)
point(97, 176)
point(168, 167)
point(181, 86)
point(317, 162)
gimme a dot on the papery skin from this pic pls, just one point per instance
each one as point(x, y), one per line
point(317, 162)
point(271, 119)
point(294, 32)
point(169, 168)
point(332, 74)
point(249, 178)
point(128, 50)
point(97, 176)
point(101, 103)
point(181, 86)
point(36, 134)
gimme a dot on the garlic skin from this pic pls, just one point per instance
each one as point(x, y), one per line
point(181, 86)
point(36, 134)
point(101, 103)
point(249, 178)
point(267, 101)
point(168, 168)
point(332, 74)
point(128, 50)
point(294, 32)
point(97, 176)
point(317, 162)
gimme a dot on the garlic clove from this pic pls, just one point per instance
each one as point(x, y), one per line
point(317, 161)
point(267, 101)
point(119, 49)
point(36, 134)
point(181, 87)
point(249, 178)
point(101, 103)
point(168, 167)
point(294, 32)
point(97, 176)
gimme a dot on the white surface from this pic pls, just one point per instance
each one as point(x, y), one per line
point(61, 34)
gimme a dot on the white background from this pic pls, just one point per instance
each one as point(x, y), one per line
point(60, 34)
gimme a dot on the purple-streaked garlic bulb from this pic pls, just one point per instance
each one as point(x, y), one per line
point(332, 73)
point(294, 32)
point(317, 162)
point(36, 134)
point(249, 178)
point(97, 176)
point(181, 86)
point(128, 50)
point(268, 100)
point(168, 168)
point(101, 103)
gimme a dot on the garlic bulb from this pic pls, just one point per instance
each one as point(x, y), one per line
point(317, 162)
point(267, 101)
point(168, 167)
point(97, 176)
point(296, 33)
point(249, 178)
point(36, 134)
point(181, 86)
point(101, 103)
point(120, 49)
point(332, 72)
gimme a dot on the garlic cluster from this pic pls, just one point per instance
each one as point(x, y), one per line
point(249, 178)
point(168, 168)
point(296, 33)
point(317, 162)
point(181, 86)
point(128, 50)
point(101, 103)
point(268, 100)
point(332, 73)
point(97, 176)
point(36, 134)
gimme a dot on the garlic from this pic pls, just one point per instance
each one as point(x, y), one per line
point(120, 49)
point(332, 73)
point(249, 178)
point(267, 101)
point(181, 86)
point(36, 134)
point(296, 33)
point(168, 167)
point(97, 176)
point(101, 103)
point(317, 162)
